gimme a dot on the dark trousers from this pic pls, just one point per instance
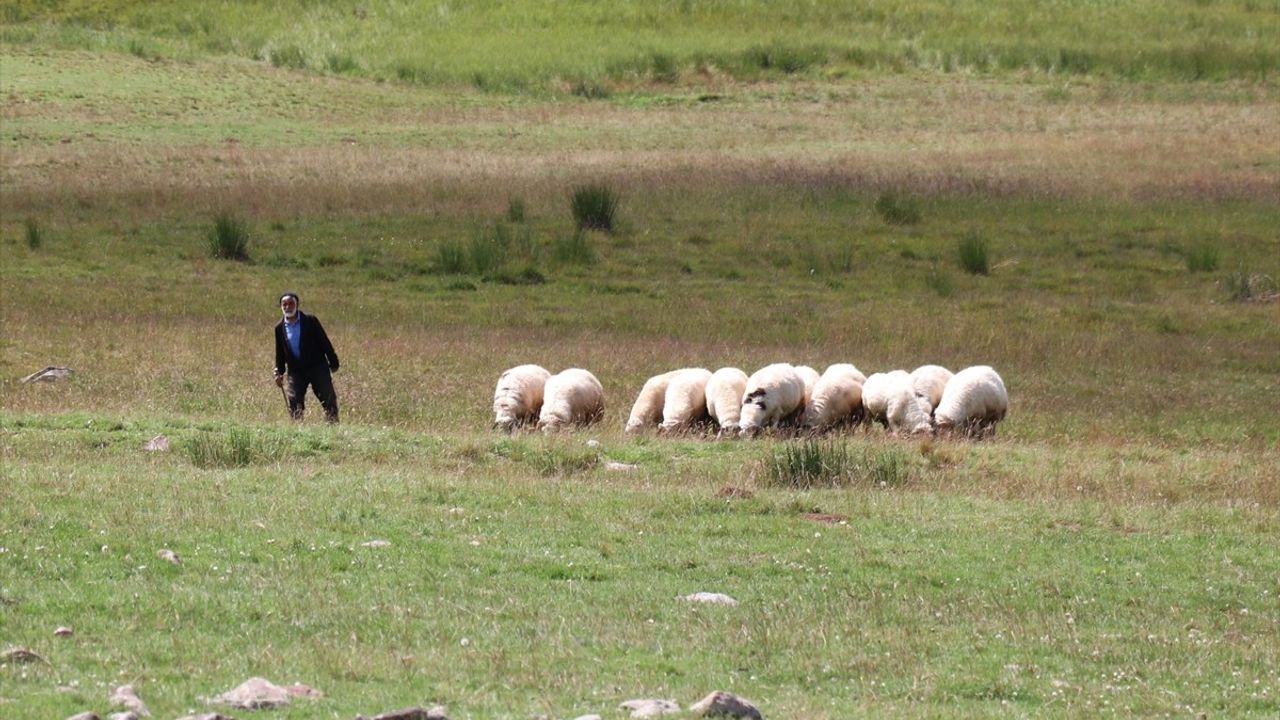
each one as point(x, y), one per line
point(321, 383)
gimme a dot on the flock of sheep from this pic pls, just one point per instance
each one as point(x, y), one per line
point(928, 400)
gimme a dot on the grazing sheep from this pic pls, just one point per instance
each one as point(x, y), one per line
point(572, 396)
point(928, 382)
point(724, 398)
point(973, 402)
point(891, 399)
point(518, 397)
point(686, 400)
point(774, 396)
point(810, 378)
point(647, 410)
point(836, 397)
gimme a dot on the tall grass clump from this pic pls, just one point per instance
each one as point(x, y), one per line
point(289, 56)
point(34, 235)
point(832, 463)
point(594, 207)
point(515, 210)
point(1202, 257)
point(1244, 285)
point(229, 238)
point(237, 447)
point(574, 249)
point(974, 257)
point(898, 209)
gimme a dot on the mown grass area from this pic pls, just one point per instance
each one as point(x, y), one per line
point(1104, 236)
point(589, 46)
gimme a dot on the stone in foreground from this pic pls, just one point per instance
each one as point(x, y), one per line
point(709, 597)
point(650, 708)
point(725, 704)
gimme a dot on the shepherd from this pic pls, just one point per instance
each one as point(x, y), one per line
point(304, 357)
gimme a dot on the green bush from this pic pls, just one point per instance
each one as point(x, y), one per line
point(594, 207)
point(1202, 257)
point(898, 209)
point(515, 210)
point(832, 463)
point(229, 238)
point(972, 249)
point(35, 236)
point(237, 447)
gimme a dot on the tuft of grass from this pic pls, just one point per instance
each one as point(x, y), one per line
point(574, 249)
point(340, 63)
point(451, 257)
point(515, 210)
point(590, 90)
point(898, 209)
point(34, 235)
point(832, 463)
point(1244, 285)
point(594, 207)
point(974, 257)
point(488, 251)
point(939, 281)
point(229, 237)
point(289, 56)
point(1202, 257)
point(237, 447)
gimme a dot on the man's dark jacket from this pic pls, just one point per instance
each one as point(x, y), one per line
point(316, 349)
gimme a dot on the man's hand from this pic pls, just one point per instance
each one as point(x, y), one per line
point(280, 381)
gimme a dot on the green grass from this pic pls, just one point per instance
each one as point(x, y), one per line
point(1110, 552)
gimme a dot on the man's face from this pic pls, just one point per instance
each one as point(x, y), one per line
point(289, 306)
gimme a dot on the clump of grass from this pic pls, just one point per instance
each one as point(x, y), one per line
point(229, 238)
point(488, 251)
point(898, 209)
point(340, 63)
point(562, 460)
point(451, 257)
point(784, 58)
point(289, 56)
point(594, 207)
point(515, 210)
point(939, 281)
point(832, 463)
point(590, 90)
point(237, 447)
point(974, 257)
point(1243, 285)
point(34, 234)
point(574, 249)
point(529, 275)
point(1202, 257)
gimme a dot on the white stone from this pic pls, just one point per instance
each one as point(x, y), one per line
point(710, 597)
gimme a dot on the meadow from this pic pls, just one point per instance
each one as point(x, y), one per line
point(1100, 229)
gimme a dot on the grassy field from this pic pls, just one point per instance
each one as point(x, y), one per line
point(1112, 552)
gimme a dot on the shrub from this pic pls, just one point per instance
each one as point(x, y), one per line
point(1245, 286)
point(237, 447)
point(451, 258)
point(973, 254)
point(35, 236)
point(229, 238)
point(573, 249)
point(898, 209)
point(515, 210)
point(1202, 257)
point(831, 463)
point(594, 207)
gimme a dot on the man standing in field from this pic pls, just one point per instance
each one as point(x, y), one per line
point(304, 356)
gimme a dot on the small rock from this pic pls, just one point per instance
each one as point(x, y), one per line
point(20, 655)
point(588, 717)
point(375, 544)
point(253, 694)
point(64, 631)
point(171, 556)
point(159, 443)
point(611, 465)
point(128, 698)
point(127, 715)
point(650, 708)
point(49, 374)
point(207, 716)
point(436, 712)
point(87, 715)
point(709, 597)
point(593, 443)
point(721, 703)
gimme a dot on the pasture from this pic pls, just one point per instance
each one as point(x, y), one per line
point(1111, 552)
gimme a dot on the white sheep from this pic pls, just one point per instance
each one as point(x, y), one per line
point(724, 397)
point(518, 397)
point(774, 396)
point(572, 396)
point(973, 402)
point(686, 400)
point(891, 399)
point(928, 382)
point(810, 378)
point(647, 409)
point(836, 397)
